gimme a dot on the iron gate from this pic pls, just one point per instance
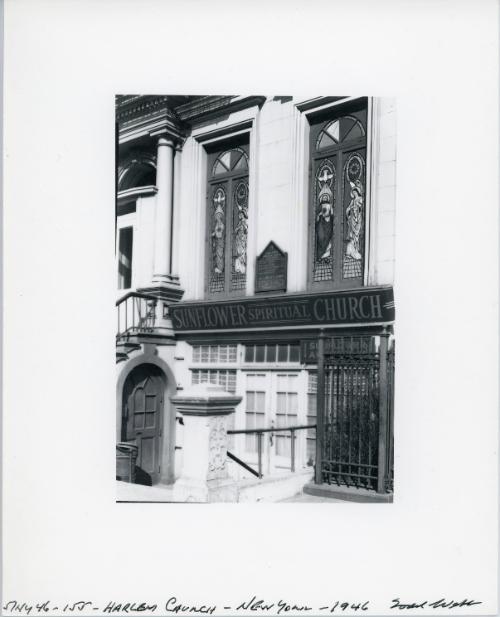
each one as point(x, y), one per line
point(355, 412)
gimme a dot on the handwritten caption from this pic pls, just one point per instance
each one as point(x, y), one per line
point(255, 605)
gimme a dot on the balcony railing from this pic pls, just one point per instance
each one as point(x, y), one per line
point(136, 314)
point(259, 432)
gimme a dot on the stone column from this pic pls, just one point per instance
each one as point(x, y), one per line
point(164, 208)
point(165, 286)
point(204, 478)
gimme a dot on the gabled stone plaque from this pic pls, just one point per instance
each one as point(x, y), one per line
point(271, 269)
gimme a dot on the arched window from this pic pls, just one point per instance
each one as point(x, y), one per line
point(337, 199)
point(227, 228)
point(137, 173)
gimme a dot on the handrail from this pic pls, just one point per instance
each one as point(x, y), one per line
point(259, 432)
point(271, 430)
point(135, 294)
point(243, 464)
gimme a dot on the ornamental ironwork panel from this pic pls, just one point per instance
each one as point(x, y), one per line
point(351, 403)
point(354, 215)
point(350, 444)
point(324, 208)
point(389, 484)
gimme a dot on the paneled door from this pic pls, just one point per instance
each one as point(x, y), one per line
point(143, 419)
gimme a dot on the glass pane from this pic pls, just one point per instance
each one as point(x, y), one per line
point(213, 354)
point(242, 163)
point(325, 141)
point(125, 258)
point(294, 353)
point(217, 230)
point(259, 353)
point(312, 383)
point(196, 353)
point(219, 169)
point(249, 353)
point(323, 210)
point(346, 124)
point(232, 353)
point(239, 235)
point(354, 214)
point(271, 353)
point(293, 403)
point(251, 401)
point(225, 159)
point(231, 383)
point(355, 132)
point(283, 445)
point(333, 130)
point(281, 403)
point(196, 377)
point(223, 353)
point(282, 353)
point(260, 400)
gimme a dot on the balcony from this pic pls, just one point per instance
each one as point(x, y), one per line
point(136, 313)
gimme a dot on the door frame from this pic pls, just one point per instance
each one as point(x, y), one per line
point(144, 373)
point(168, 438)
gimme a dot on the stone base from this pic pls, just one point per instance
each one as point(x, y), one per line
point(213, 491)
point(359, 495)
point(168, 289)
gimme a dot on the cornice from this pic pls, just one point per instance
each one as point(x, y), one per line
point(208, 106)
point(128, 195)
point(139, 106)
point(317, 101)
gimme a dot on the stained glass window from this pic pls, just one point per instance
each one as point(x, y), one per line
point(337, 210)
point(228, 220)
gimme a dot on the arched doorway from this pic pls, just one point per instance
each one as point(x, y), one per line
point(142, 419)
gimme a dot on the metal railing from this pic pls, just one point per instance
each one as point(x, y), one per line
point(136, 314)
point(259, 432)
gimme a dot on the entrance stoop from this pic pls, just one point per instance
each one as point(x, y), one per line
point(273, 488)
point(359, 495)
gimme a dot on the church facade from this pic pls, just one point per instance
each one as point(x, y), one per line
point(255, 255)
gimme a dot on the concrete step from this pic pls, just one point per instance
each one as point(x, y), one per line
point(345, 493)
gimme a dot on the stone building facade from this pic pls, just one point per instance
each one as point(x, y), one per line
point(248, 226)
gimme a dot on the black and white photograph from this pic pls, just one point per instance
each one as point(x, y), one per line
point(255, 313)
point(251, 275)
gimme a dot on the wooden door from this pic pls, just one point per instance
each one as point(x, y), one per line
point(143, 411)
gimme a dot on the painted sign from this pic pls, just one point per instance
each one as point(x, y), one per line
point(368, 305)
point(339, 345)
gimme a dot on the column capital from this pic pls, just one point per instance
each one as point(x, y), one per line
point(165, 140)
